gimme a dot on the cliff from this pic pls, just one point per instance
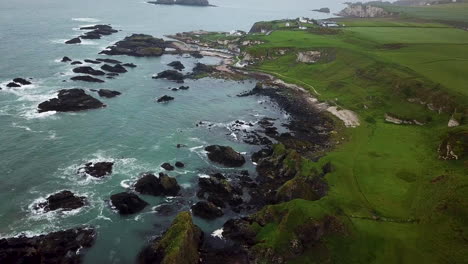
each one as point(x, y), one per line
point(363, 11)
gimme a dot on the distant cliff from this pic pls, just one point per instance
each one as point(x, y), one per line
point(181, 2)
point(363, 11)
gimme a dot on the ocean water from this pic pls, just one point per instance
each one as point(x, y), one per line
point(41, 153)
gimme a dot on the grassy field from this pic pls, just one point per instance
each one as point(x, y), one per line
point(452, 13)
point(399, 202)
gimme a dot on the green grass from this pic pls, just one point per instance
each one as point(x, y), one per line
point(411, 35)
point(398, 201)
point(388, 22)
point(451, 13)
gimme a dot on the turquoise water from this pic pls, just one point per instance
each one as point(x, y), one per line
point(40, 153)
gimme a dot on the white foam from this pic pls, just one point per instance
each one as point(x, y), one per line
point(186, 185)
point(22, 127)
point(201, 175)
point(86, 19)
point(218, 233)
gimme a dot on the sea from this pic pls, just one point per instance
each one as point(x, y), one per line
point(41, 153)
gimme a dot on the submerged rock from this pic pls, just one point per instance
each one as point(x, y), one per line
point(76, 63)
point(180, 244)
point(130, 65)
point(73, 41)
point(108, 93)
point(116, 68)
point(177, 65)
point(127, 203)
point(225, 155)
point(98, 169)
point(58, 247)
point(88, 70)
point(138, 45)
point(70, 100)
point(86, 78)
point(165, 98)
point(157, 186)
point(184, 88)
point(170, 75)
point(64, 200)
point(207, 210)
point(179, 164)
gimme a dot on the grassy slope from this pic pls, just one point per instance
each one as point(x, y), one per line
point(382, 187)
point(445, 13)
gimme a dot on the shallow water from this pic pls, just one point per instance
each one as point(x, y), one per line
point(41, 153)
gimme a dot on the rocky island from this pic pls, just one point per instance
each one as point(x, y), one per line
point(181, 2)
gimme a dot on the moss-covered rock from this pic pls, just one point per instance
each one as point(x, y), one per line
point(180, 244)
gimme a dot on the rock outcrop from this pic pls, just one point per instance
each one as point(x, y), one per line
point(86, 78)
point(69, 101)
point(127, 203)
point(177, 65)
point(117, 68)
point(165, 99)
point(207, 210)
point(108, 93)
point(171, 75)
point(98, 169)
point(308, 56)
point(180, 244)
point(225, 155)
point(64, 200)
point(181, 2)
point(58, 247)
point(363, 11)
point(157, 186)
point(73, 41)
point(97, 31)
point(138, 45)
point(88, 70)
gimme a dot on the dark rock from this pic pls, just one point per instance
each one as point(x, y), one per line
point(13, 85)
point(196, 55)
point(184, 88)
point(181, 2)
point(177, 65)
point(225, 155)
point(73, 41)
point(98, 169)
point(206, 210)
point(116, 68)
point(138, 45)
point(70, 100)
point(240, 230)
point(88, 70)
point(165, 98)
point(130, 65)
point(323, 10)
point(127, 203)
point(86, 78)
point(97, 31)
point(58, 247)
point(76, 63)
point(92, 61)
point(111, 61)
point(108, 93)
point(201, 68)
point(189, 239)
point(113, 74)
point(167, 166)
point(179, 164)
point(263, 153)
point(170, 75)
point(64, 200)
point(66, 59)
point(152, 185)
point(181, 145)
